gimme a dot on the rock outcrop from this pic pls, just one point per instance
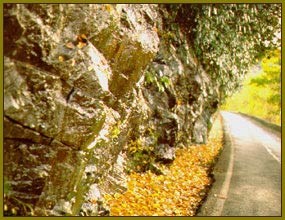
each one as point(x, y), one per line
point(91, 91)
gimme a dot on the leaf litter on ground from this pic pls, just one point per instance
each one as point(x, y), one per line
point(182, 188)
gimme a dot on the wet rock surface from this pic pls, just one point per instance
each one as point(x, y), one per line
point(83, 83)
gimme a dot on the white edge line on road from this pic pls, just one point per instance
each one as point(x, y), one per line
point(226, 185)
point(271, 153)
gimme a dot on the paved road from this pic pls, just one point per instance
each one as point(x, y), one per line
point(248, 173)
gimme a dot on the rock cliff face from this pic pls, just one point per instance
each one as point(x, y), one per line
point(92, 92)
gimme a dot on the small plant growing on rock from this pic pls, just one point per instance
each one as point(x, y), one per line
point(141, 158)
point(161, 83)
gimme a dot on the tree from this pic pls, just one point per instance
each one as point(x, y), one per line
point(228, 38)
point(271, 77)
point(260, 94)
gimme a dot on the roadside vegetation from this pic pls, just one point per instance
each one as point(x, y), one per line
point(260, 94)
point(181, 188)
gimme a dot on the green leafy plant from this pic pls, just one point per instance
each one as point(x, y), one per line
point(116, 130)
point(14, 206)
point(140, 157)
point(160, 82)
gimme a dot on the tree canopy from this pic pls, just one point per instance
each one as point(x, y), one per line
point(228, 38)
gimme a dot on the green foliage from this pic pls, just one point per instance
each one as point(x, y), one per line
point(141, 157)
point(116, 130)
point(14, 206)
point(260, 95)
point(271, 76)
point(7, 187)
point(229, 37)
point(168, 36)
point(161, 82)
point(150, 77)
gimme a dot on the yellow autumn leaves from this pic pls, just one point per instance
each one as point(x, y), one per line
point(179, 191)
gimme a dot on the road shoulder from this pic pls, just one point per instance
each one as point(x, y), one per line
point(213, 204)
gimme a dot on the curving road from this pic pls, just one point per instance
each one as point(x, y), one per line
point(248, 173)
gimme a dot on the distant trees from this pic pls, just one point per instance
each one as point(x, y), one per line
point(271, 77)
point(261, 91)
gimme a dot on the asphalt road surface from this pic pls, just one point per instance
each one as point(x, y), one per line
point(248, 172)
